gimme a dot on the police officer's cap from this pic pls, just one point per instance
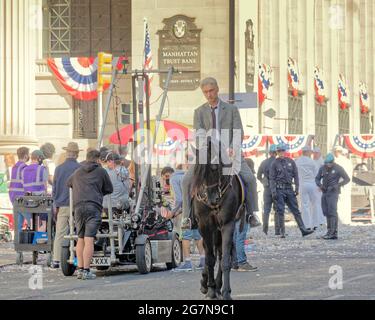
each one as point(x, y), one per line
point(281, 147)
point(273, 148)
point(329, 158)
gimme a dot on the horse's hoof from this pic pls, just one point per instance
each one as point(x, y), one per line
point(227, 297)
point(207, 297)
point(204, 290)
point(219, 296)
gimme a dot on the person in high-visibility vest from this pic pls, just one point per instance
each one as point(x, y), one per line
point(16, 188)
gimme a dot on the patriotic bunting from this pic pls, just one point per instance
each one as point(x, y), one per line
point(264, 82)
point(293, 76)
point(319, 84)
point(364, 99)
point(250, 144)
point(292, 143)
point(343, 92)
point(361, 145)
point(78, 75)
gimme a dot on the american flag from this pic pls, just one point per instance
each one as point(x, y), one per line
point(148, 56)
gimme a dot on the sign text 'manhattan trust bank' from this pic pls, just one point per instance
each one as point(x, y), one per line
point(179, 46)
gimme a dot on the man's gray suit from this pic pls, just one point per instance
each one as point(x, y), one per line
point(229, 118)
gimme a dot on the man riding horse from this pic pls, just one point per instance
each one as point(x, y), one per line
point(220, 116)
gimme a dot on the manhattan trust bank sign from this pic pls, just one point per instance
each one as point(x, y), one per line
point(180, 47)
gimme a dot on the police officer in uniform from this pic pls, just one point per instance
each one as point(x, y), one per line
point(328, 180)
point(283, 173)
point(263, 177)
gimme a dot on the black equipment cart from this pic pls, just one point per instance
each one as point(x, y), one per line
point(31, 240)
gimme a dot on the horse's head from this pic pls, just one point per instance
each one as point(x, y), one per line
point(207, 173)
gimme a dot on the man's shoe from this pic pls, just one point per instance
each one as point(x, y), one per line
point(187, 266)
point(306, 232)
point(185, 224)
point(246, 267)
point(88, 275)
point(79, 274)
point(329, 237)
point(254, 221)
point(201, 264)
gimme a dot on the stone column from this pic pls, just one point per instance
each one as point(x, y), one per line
point(18, 29)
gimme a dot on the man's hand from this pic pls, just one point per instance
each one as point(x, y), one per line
point(165, 213)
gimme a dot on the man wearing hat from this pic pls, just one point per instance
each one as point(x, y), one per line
point(60, 194)
point(329, 181)
point(263, 176)
point(310, 194)
point(344, 202)
point(283, 173)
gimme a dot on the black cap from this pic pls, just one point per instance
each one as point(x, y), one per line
point(112, 157)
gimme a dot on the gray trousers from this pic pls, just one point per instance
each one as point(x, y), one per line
point(62, 226)
point(248, 178)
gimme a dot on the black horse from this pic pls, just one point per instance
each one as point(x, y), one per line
point(217, 205)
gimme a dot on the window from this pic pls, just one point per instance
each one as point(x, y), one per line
point(320, 138)
point(85, 27)
point(85, 119)
point(365, 123)
point(295, 113)
point(344, 126)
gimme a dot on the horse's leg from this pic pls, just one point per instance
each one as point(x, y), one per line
point(210, 263)
point(227, 243)
point(219, 275)
point(204, 280)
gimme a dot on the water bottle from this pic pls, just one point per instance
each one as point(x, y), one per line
point(75, 262)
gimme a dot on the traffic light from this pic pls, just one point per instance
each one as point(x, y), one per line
point(104, 69)
point(125, 113)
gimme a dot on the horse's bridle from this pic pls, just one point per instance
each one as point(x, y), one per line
point(222, 192)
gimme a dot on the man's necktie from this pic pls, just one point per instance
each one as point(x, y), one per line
point(213, 117)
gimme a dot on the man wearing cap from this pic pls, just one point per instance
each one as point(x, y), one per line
point(35, 180)
point(283, 173)
point(329, 181)
point(310, 198)
point(119, 176)
point(263, 176)
point(60, 194)
point(345, 201)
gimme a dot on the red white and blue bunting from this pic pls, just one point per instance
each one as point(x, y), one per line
point(361, 145)
point(293, 76)
point(78, 75)
point(343, 93)
point(292, 143)
point(319, 84)
point(168, 147)
point(251, 144)
point(364, 99)
point(264, 82)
